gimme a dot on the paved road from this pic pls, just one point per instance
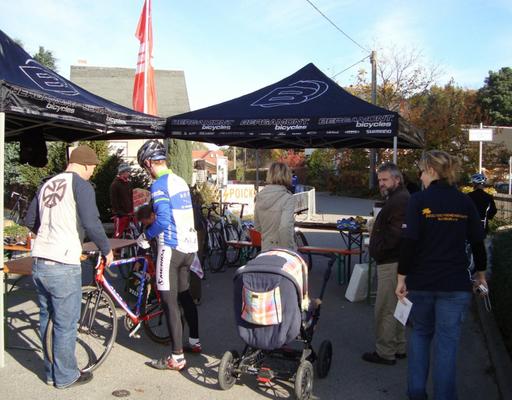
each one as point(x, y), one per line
point(348, 325)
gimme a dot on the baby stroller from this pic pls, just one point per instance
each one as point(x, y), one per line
point(273, 313)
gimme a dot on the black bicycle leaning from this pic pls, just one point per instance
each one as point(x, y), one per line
point(19, 208)
point(214, 251)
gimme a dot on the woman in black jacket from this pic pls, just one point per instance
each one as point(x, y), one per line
point(433, 273)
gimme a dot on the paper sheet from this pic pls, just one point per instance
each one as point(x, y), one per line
point(402, 310)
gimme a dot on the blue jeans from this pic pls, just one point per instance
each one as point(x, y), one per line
point(60, 295)
point(437, 316)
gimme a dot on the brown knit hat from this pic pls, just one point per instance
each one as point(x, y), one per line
point(84, 155)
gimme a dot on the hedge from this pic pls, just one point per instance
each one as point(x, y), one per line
point(500, 284)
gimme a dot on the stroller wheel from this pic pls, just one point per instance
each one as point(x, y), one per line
point(323, 360)
point(304, 381)
point(227, 376)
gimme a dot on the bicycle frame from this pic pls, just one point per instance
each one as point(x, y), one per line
point(148, 269)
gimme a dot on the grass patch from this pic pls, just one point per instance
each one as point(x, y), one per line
point(15, 231)
point(501, 283)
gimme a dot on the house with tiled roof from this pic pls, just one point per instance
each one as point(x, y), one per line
point(210, 164)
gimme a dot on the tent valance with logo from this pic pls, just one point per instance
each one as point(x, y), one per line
point(38, 100)
point(306, 109)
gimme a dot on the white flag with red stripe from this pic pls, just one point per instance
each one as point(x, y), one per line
point(144, 90)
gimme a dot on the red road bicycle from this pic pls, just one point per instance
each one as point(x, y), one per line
point(98, 323)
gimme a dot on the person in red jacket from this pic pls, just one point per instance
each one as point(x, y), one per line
point(121, 199)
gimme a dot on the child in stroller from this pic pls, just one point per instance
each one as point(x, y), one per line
point(273, 311)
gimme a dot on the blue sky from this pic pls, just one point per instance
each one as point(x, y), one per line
point(228, 48)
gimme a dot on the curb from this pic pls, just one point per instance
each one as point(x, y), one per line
point(498, 353)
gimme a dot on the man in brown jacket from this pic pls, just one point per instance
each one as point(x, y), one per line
point(385, 250)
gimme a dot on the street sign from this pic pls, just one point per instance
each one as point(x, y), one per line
point(480, 135)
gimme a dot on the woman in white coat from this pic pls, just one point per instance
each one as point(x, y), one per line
point(274, 210)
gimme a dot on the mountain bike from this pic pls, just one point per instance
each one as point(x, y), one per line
point(214, 253)
point(226, 223)
point(98, 323)
point(242, 228)
point(235, 230)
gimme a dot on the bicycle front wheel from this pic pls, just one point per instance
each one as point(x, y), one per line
point(301, 241)
point(97, 330)
point(156, 325)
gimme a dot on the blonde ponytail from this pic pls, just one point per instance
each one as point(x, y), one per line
point(445, 165)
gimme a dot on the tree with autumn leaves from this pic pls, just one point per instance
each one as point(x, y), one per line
point(442, 112)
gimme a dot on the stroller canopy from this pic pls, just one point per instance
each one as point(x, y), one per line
point(286, 263)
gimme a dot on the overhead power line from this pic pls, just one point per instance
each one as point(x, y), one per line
point(337, 27)
point(353, 65)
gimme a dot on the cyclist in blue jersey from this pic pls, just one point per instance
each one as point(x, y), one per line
point(177, 244)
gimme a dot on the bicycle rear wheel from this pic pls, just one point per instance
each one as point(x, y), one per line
point(301, 241)
point(156, 326)
point(97, 330)
point(216, 254)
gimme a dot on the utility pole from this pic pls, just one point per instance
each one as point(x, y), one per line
point(480, 148)
point(373, 152)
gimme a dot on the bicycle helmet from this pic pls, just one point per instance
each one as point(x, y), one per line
point(478, 179)
point(151, 150)
point(123, 167)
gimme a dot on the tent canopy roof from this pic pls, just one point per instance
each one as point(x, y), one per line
point(306, 109)
point(38, 100)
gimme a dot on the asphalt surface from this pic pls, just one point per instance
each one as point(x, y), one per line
point(349, 326)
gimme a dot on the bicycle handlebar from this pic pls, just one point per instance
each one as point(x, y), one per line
point(230, 203)
point(19, 196)
point(226, 205)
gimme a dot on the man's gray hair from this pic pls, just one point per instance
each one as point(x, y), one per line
point(393, 170)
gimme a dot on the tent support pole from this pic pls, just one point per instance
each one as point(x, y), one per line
point(395, 149)
point(2, 305)
point(257, 169)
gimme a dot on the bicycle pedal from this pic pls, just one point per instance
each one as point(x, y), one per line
point(133, 333)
